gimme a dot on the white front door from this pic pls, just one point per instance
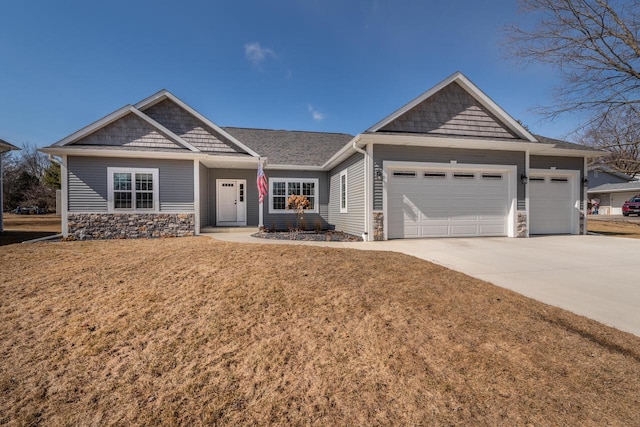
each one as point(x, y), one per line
point(231, 205)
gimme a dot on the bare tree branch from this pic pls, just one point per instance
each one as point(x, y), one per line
point(619, 134)
point(594, 43)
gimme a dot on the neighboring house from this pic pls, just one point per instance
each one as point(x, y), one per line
point(449, 163)
point(611, 188)
point(4, 146)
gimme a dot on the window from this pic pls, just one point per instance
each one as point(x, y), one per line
point(281, 188)
point(495, 176)
point(404, 174)
point(464, 176)
point(132, 189)
point(343, 191)
point(435, 175)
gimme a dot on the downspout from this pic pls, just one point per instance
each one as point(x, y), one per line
point(366, 235)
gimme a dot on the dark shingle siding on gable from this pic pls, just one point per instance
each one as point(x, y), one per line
point(189, 128)
point(451, 111)
point(129, 131)
point(283, 147)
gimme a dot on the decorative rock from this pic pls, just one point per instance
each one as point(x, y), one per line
point(130, 226)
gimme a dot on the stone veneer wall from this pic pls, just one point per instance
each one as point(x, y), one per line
point(130, 225)
point(521, 224)
point(378, 226)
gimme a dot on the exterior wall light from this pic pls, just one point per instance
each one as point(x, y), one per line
point(585, 181)
point(524, 179)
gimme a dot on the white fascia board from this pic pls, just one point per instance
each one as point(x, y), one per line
point(623, 190)
point(294, 167)
point(342, 154)
point(91, 152)
point(98, 124)
point(152, 100)
point(468, 143)
point(183, 155)
point(474, 91)
point(165, 94)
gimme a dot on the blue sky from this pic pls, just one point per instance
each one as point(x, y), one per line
point(322, 65)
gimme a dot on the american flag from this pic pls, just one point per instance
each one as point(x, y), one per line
point(263, 187)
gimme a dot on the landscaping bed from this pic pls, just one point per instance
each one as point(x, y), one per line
point(310, 236)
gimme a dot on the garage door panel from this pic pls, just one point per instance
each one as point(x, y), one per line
point(551, 204)
point(447, 206)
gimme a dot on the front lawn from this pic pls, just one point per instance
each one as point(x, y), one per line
point(192, 331)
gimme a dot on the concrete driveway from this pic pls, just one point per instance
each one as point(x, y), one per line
point(594, 276)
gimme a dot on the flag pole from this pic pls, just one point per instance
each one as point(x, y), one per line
point(261, 200)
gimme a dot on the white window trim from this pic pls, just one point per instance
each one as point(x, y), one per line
point(156, 192)
point(345, 208)
point(316, 196)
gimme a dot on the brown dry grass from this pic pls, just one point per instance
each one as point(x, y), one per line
point(192, 331)
point(618, 228)
point(20, 228)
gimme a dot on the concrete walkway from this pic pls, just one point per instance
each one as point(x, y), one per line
point(594, 276)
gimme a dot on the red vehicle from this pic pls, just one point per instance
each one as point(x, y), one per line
point(632, 206)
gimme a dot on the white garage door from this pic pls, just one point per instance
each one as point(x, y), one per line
point(552, 204)
point(434, 202)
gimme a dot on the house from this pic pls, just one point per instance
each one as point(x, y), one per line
point(611, 188)
point(449, 163)
point(4, 147)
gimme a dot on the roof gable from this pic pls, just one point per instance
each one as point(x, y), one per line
point(129, 131)
point(454, 107)
point(190, 128)
point(126, 127)
point(5, 146)
point(196, 127)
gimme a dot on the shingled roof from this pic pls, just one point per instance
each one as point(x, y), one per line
point(287, 147)
point(562, 144)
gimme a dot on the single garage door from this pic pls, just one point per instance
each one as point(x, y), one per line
point(433, 202)
point(552, 203)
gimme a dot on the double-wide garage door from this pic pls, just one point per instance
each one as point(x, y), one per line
point(454, 202)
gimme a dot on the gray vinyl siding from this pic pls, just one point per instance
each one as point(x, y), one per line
point(445, 155)
point(569, 163)
point(204, 196)
point(250, 176)
point(88, 182)
point(282, 221)
point(353, 220)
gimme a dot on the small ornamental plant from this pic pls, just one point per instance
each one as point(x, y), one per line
point(298, 204)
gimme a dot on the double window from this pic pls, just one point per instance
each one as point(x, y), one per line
point(132, 189)
point(281, 188)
